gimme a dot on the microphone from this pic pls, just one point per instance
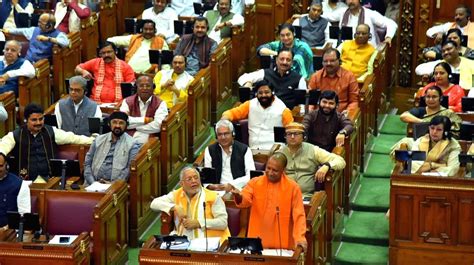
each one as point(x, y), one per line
point(279, 232)
point(205, 222)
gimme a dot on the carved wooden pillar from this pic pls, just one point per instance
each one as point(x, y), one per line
point(406, 42)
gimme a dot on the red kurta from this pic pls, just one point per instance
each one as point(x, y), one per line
point(264, 197)
point(108, 91)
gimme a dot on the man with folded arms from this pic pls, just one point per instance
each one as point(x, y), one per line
point(190, 215)
point(277, 214)
point(307, 164)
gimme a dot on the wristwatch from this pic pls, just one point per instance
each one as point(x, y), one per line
point(343, 131)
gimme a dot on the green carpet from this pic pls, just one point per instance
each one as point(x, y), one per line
point(366, 227)
point(380, 166)
point(353, 253)
point(374, 195)
point(382, 144)
point(393, 125)
point(153, 229)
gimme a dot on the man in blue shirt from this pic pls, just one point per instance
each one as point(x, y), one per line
point(42, 38)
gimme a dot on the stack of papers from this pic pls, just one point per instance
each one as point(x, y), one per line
point(97, 186)
point(176, 245)
point(199, 244)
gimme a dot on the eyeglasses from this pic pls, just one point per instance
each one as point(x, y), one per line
point(361, 33)
point(293, 134)
point(223, 135)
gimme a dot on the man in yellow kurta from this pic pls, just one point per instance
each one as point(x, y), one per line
point(277, 207)
point(187, 205)
point(172, 84)
point(358, 55)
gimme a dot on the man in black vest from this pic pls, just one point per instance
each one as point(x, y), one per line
point(73, 112)
point(32, 145)
point(232, 160)
point(282, 78)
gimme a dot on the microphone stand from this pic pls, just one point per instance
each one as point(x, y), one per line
point(205, 222)
point(279, 232)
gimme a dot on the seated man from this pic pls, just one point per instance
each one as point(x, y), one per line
point(68, 15)
point(172, 84)
point(232, 159)
point(42, 38)
point(307, 164)
point(356, 14)
point(109, 156)
point(163, 16)
point(12, 67)
point(184, 8)
point(33, 144)
point(326, 127)
point(263, 113)
point(459, 64)
point(9, 10)
point(314, 28)
point(15, 192)
point(433, 108)
point(108, 72)
point(187, 205)
point(277, 214)
point(197, 47)
point(282, 78)
point(139, 46)
point(455, 34)
point(73, 113)
point(302, 53)
point(462, 18)
point(358, 55)
point(333, 77)
point(221, 21)
point(146, 111)
point(3, 112)
point(441, 149)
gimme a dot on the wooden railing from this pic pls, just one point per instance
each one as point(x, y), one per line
point(221, 83)
point(89, 37)
point(36, 89)
point(8, 100)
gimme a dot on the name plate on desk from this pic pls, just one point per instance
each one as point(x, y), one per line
point(254, 259)
point(180, 254)
point(32, 247)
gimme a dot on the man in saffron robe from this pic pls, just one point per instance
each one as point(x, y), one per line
point(187, 205)
point(108, 72)
point(277, 207)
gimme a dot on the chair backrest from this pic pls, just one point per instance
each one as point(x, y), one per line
point(70, 215)
point(243, 134)
point(233, 220)
point(420, 129)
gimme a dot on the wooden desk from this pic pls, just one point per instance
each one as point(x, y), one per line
point(44, 254)
point(8, 100)
point(431, 220)
point(151, 254)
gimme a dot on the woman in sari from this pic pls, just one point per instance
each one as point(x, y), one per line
point(441, 149)
point(433, 108)
point(441, 75)
point(302, 54)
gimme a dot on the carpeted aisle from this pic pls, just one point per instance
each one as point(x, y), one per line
point(365, 236)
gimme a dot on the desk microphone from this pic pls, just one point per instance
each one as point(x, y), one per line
point(205, 222)
point(279, 232)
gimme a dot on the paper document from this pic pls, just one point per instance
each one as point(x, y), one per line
point(97, 186)
point(176, 245)
point(199, 244)
point(62, 239)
